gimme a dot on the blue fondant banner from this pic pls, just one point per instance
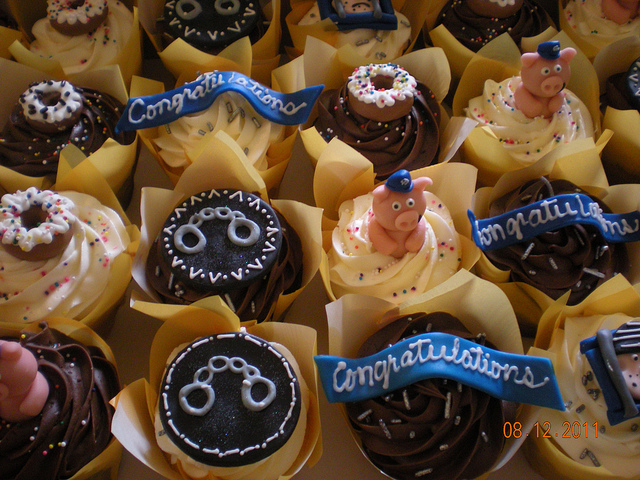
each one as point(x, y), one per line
point(551, 214)
point(508, 376)
point(155, 110)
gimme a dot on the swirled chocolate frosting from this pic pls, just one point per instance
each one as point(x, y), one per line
point(435, 428)
point(474, 31)
point(34, 153)
point(75, 424)
point(253, 302)
point(409, 143)
point(574, 258)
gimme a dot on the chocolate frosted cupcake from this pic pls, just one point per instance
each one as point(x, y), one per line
point(475, 22)
point(437, 427)
point(73, 427)
point(53, 114)
point(386, 115)
point(574, 258)
point(229, 243)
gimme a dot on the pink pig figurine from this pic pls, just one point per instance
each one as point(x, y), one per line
point(543, 77)
point(396, 223)
point(23, 389)
point(620, 11)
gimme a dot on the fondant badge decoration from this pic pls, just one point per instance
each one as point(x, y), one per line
point(352, 14)
point(155, 110)
point(551, 214)
point(633, 82)
point(517, 378)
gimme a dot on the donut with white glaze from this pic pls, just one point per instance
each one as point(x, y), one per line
point(381, 92)
point(76, 17)
point(51, 106)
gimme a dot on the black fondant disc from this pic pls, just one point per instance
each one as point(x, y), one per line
point(210, 374)
point(633, 83)
point(197, 243)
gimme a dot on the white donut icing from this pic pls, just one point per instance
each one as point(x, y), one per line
point(356, 267)
point(72, 282)
point(62, 11)
point(78, 53)
point(361, 86)
point(230, 113)
point(528, 139)
point(59, 217)
point(35, 109)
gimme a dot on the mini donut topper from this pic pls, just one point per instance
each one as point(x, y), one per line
point(382, 92)
point(76, 17)
point(23, 389)
point(620, 11)
point(543, 76)
point(52, 106)
point(353, 14)
point(396, 223)
point(614, 356)
point(494, 8)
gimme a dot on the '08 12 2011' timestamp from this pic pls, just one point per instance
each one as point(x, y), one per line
point(544, 430)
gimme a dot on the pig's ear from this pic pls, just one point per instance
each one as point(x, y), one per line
point(529, 59)
point(567, 53)
point(380, 192)
point(421, 183)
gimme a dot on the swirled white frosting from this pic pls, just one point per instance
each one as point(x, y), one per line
point(528, 139)
point(84, 52)
point(71, 282)
point(272, 467)
point(230, 113)
point(356, 267)
point(381, 45)
point(586, 19)
point(615, 448)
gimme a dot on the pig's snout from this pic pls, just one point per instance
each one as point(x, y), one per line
point(407, 220)
point(552, 85)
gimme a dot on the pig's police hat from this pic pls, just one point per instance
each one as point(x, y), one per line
point(400, 181)
point(549, 50)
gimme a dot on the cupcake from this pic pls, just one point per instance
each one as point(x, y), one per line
point(464, 26)
point(58, 378)
point(523, 117)
point(399, 239)
point(412, 407)
point(386, 115)
point(372, 31)
point(260, 121)
point(253, 410)
point(45, 119)
point(229, 241)
point(544, 234)
point(72, 37)
point(593, 347)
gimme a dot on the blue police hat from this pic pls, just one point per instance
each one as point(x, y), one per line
point(400, 182)
point(549, 50)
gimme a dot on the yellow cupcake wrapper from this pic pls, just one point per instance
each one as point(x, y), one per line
point(7, 37)
point(105, 465)
point(222, 156)
point(136, 404)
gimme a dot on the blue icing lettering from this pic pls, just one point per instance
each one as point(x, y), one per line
point(551, 214)
point(161, 109)
point(508, 376)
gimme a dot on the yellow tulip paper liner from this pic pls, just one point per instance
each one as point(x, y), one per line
point(498, 60)
point(105, 465)
point(479, 305)
point(579, 163)
point(181, 58)
point(326, 30)
point(136, 404)
point(129, 59)
point(114, 160)
point(278, 154)
point(561, 329)
point(7, 37)
point(343, 174)
point(221, 166)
